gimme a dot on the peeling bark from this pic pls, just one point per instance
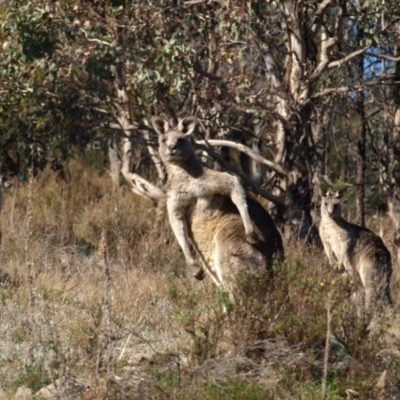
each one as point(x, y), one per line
point(115, 161)
point(138, 184)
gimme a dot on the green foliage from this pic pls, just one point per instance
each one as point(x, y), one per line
point(205, 323)
point(170, 383)
point(312, 391)
point(298, 302)
point(232, 390)
point(44, 84)
point(33, 377)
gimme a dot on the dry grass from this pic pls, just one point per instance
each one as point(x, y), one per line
point(95, 299)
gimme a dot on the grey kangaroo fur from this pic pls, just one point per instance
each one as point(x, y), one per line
point(5, 183)
point(209, 210)
point(356, 251)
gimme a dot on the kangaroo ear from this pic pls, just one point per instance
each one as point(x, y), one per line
point(338, 195)
point(187, 125)
point(160, 125)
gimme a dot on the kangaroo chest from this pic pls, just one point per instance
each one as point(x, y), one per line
point(331, 232)
point(188, 189)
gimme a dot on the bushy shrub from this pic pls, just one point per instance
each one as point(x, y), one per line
point(95, 287)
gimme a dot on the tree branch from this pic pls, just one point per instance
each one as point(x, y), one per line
point(318, 15)
point(246, 150)
point(345, 89)
point(102, 42)
point(384, 56)
point(272, 68)
point(162, 175)
point(339, 63)
point(199, 70)
point(324, 59)
point(269, 196)
point(284, 121)
point(138, 184)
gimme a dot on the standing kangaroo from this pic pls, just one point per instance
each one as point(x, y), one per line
point(209, 210)
point(356, 251)
point(4, 184)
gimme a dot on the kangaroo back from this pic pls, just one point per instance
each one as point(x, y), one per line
point(373, 262)
point(220, 238)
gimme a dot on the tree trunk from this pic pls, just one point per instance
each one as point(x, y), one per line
point(361, 161)
point(139, 185)
point(361, 156)
point(319, 157)
point(390, 168)
point(292, 135)
point(393, 198)
point(115, 161)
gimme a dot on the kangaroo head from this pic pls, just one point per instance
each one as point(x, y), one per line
point(4, 181)
point(330, 205)
point(174, 143)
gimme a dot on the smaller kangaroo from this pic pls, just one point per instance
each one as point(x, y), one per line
point(5, 183)
point(209, 210)
point(356, 251)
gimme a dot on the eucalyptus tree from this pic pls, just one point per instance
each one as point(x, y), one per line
point(47, 107)
point(270, 79)
point(389, 100)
